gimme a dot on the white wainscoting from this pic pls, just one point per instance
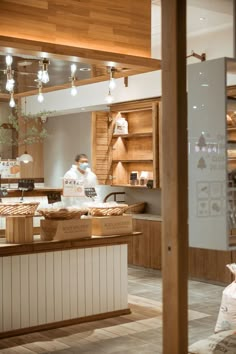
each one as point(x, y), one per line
point(43, 288)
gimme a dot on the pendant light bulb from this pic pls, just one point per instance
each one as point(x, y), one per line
point(40, 97)
point(45, 77)
point(40, 74)
point(109, 98)
point(10, 85)
point(12, 103)
point(112, 84)
point(73, 90)
point(9, 60)
point(73, 68)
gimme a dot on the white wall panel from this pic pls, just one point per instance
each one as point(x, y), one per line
point(73, 284)
point(96, 280)
point(33, 289)
point(65, 285)
point(58, 286)
point(81, 282)
point(123, 277)
point(43, 288)
point(24, 293)
point(117, 275)
point(103, 279)
point(50, 316)
point(7, 291)
point(16, 290)
point(110, 278)
point(88, 282)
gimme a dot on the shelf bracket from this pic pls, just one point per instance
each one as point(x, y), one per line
point(201, 57)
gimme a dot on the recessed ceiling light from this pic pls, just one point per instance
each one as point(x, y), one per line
point(85, 69)
point(202, 18)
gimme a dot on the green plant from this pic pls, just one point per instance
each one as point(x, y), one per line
point(24, 129)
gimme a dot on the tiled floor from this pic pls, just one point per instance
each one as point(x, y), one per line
point(139, 332)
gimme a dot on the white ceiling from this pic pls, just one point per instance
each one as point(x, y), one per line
point(215, 14)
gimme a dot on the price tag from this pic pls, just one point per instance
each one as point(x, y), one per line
point(73, 188)
point(90, 192)
point(54, 197)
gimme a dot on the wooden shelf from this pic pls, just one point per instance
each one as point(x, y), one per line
point(132, 135)
point(129, 185)
point(130, 161)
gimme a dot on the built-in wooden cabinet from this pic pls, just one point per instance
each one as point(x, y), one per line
point(116, 156)
point(145, 249)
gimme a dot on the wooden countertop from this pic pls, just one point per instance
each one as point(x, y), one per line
point(7, 249)
point(144, 216)
point(34, 193)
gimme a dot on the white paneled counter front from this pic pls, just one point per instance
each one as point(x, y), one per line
point(51, 284)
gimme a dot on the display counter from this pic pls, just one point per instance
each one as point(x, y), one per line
point(49, 284)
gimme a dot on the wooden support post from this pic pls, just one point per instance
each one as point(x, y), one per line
point(19, 229)
point(174, 182)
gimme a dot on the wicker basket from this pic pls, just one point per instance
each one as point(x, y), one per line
point(11, 208)
point(137, 208)
point(62, 213)
point(108, 210)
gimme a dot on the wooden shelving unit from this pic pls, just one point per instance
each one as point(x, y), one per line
point(115, 156)
point(137, 150)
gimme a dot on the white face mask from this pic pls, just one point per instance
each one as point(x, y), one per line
point(83, 165)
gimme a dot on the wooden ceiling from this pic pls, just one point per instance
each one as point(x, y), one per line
point(97, 34)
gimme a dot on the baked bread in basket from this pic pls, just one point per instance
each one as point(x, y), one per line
point(18, 209)
point(63, 213)
point(107, 209)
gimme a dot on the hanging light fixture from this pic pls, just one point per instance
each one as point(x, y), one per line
point(109, 98)
point(9, 73)
point(43, 75)
point(12, 102)
point(25, 158)
point(112, 81)
point(72, 78)
point(40, 94)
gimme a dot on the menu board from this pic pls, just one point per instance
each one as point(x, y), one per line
point(9, 169)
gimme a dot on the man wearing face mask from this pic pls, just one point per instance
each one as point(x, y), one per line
point(80, 171)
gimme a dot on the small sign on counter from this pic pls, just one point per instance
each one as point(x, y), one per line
point(73, 188)
point(112, 225)
point(65, 229)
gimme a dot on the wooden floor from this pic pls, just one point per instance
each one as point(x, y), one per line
point(139, 332)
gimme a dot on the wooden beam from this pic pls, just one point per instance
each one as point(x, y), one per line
point(16, 46)
point(174, 183)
